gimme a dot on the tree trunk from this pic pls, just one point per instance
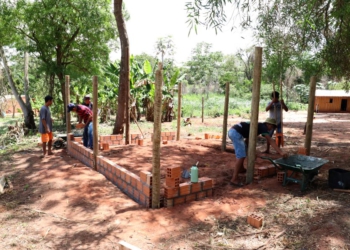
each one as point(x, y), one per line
point(29, 119)
point(123, 97)
point(25, 109)
point(51, 83)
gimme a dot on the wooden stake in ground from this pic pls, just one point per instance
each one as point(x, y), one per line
point(254, 114)
point(202, 109)
point(310, 115)
point(179, 111)
point(68, 126)
point(224, 130)
point(157, 127)
point(95, 120)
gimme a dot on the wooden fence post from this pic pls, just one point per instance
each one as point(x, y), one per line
point(179, 111)
point(254, 114)
point(67, 88)
point(310, 115)
point(202, 109)
point(95, 120)
point(224, 128)
point(157, 128)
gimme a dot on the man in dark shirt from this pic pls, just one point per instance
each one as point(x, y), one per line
point(239, 132)
point(85, 114)
point(87, 102)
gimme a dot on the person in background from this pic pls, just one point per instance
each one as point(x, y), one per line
point(85, 114)
point(45, 126)
point(87, 102)
point(274, 107)
point(239, 134)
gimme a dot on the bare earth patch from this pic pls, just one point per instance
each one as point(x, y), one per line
point(58, 203)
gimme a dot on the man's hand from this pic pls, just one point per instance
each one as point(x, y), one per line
point(48, 130)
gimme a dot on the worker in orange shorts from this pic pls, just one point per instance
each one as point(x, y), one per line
point(45, 126)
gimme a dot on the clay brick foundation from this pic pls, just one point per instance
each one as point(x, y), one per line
point(139, 187)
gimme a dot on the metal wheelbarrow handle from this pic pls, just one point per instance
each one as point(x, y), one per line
point(271, 160)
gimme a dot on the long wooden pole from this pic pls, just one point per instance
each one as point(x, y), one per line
point(202, 109)
point(254, 114)
point(157, 127)
point(179, 111)
point(127, 114)
point(67, 115)
point(94, 119)
point(67, 88)
point(224, 126)
point(310, 115)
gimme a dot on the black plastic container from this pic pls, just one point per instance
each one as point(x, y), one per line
point(339, 178)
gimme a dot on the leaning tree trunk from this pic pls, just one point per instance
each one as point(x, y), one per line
point(124, 82)
point(29, 119)
point(26, 111)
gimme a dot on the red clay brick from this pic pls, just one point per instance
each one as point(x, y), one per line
point(185, 188)
point(196, 187)
point(133, 179)
point(136, 194)
point(201, 195)
point(255, 220)
point(122, 173)
point(173, 172)
point(190, 197)
point(179, 200)
point(127, 177)
point(172, 182)
point(113, 137)
point(139, 185)
point(146, 190)
point(207, 183)
point(143, 175)
point(210, 193)
point(119, 137)
point(171, 192)
point(130, 190)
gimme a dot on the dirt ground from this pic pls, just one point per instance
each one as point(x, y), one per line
point(58, 203)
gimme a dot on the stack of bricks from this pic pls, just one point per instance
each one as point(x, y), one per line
point(266, 171)
point(212, 136)
point(78, 151)
point(255, 220)
point(166, 136)
point(111, 140)
point(134, 138)
point(78, 139)
point(185, 192)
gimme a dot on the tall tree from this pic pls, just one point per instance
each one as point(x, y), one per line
point(123, 114)
point(65, 34)
point(320, 26)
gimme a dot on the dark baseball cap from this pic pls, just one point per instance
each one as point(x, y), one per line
point(70, 107)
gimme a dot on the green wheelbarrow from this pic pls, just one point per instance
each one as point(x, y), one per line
point(308, 166)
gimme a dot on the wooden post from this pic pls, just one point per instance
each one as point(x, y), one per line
point(179, 111)
point(254, 114)
point(310, 115)
point(202, 109)
point(157, 127)
point(224, 130)
point(67, 88)
point(95, 120)
point(127, 114)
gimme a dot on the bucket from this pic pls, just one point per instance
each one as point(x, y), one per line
point(339, 178)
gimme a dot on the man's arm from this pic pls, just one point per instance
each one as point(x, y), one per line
point(45, 126)
point(284, 106)
point(274, 145)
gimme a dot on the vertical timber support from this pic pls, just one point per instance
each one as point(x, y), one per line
point(67, 115)
point(254, 114)
point(310, 115)
point(224, 127)
point(95, 120)
point(179, 111)
point(202, 109)
point(157, 127)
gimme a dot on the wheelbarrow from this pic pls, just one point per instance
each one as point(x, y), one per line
point(308, 166)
